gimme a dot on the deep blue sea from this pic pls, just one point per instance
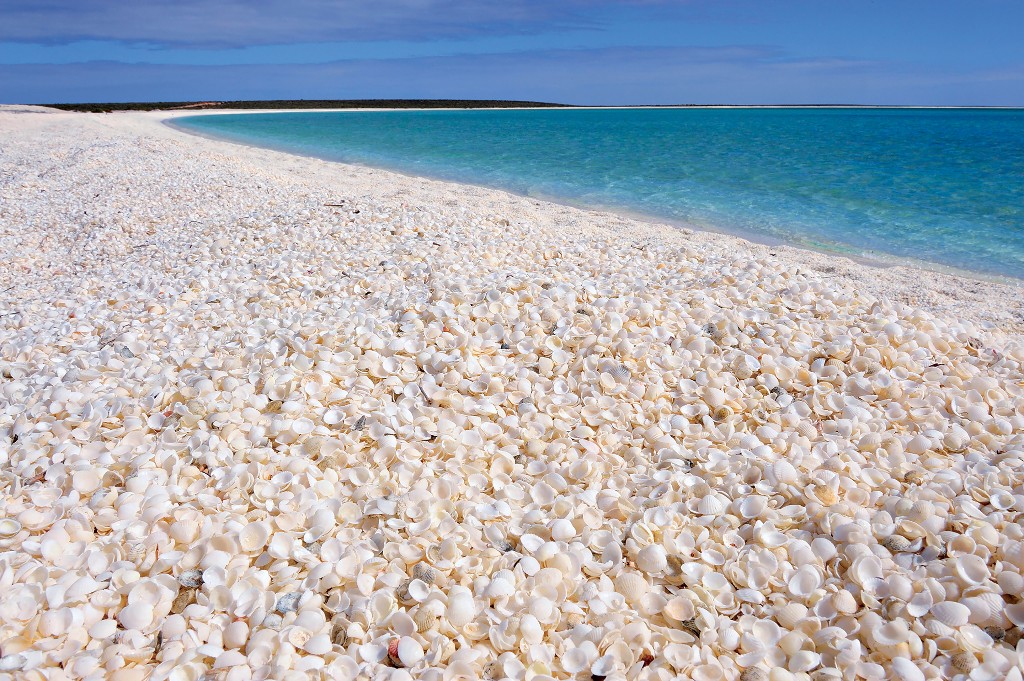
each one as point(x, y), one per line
point(943, 186)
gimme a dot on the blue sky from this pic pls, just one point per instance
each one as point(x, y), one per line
point(934, 52)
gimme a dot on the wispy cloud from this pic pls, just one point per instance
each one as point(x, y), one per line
point(233, 23)
point(739, 74)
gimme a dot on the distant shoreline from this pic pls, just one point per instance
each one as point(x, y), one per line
point(446, 104)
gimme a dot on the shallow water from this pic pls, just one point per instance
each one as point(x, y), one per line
point(941, 186)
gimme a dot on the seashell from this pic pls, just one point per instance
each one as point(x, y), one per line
point(804, 661)
point(137, 616)
point(896, 543)
point(313, 445)
point(632, 586)
point(298, 636)
point(804, 582)
point(997, 633)
point(318, 645)
point(722, 413)
point(408, 434)
point(905, 670)
point(288, 602)
point(574, 660)
point(711, 504)
point(493, 671)
point(1015, 613)
point(254, 536)
point(964, 662)
point(679, 609)
point(402, 592)
point(781, 473)
point(562, 530)
point(424, 573)
point(825, 495)
point(986, 608)
point(603, 666)
point(191, 579)
point(920, 604)
point(425, 619)
point(9, 527)
point(790, 615)
point(339, 632)
point(652, 559)
point(185, 598)
point(753, 506)
point(971, 569)
point(974, 639)
point(13, 662)
point(461, 608)
point(409, 651)
point(951, 614)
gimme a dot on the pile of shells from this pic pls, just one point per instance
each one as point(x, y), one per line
point(290, 440)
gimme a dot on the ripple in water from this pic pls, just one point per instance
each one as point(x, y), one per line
point(940, 186)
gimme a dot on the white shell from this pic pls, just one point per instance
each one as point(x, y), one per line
point(254, 536)
point(461, 608)
point(318, 645)
point(971, 569)
point(137, 616)
point(9, 527)
point(711, 504)
point(562, 530)
point(652, 559)
point(632, 586)
point(409, 651)
point(679, 609)
point(790, 615)
point(951, 614)
point(574, 660)
point(804, 582)
point(905, 670)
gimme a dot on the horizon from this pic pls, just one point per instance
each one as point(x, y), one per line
point(214, 106)
point(602, 53)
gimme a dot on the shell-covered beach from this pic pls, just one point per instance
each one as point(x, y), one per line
point(269, 417)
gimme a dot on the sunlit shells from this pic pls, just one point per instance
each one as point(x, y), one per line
point(461, 608)
point(263, 415)
point(652, 559)
point(632, 586)
point(712, 504)
point(950, 613)
point(790, 615)
point(971, 569)
point(9, 527)
point(905, 670)
point(254, 536)
point(136, 616)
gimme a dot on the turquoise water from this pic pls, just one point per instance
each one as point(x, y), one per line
point(941, 186)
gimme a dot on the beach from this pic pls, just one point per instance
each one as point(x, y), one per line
point(267, 415)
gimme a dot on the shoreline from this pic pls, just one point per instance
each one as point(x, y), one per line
point(265, 414)
point(996, 303)
point(878, 259)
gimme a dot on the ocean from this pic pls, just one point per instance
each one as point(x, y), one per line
point(935, 186)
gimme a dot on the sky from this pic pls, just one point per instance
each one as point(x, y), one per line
point(600, 52)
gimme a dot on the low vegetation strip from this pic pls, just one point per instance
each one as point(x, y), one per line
point(101, 107)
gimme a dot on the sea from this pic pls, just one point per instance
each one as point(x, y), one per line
point(935, 187)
